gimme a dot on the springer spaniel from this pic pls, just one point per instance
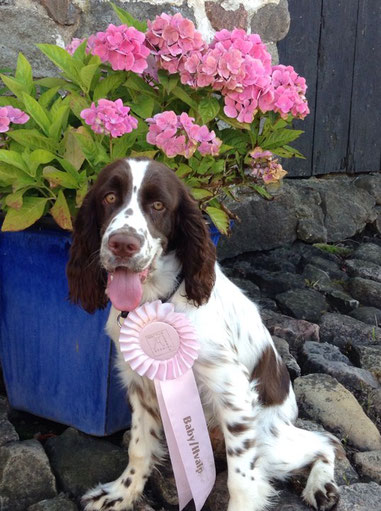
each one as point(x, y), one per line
point(139, 225)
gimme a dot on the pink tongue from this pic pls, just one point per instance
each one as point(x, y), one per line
point(124, 289)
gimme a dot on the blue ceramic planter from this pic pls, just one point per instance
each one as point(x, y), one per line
point(57, 361)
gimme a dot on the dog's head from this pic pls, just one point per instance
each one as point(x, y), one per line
point(136, 211)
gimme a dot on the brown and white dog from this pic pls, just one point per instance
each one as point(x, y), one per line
point(139, 224)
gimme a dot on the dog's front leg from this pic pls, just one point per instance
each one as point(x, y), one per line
point(145, 450)
point(237, 409)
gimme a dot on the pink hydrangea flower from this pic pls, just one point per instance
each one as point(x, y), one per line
point(122, 46)
point(265, 166)
point(10, 114)
point(237, 64)
point(179, 135)
point(73, 45)
point(75, 42)
point(173, 40)
point(110, 118)
point(287, 94)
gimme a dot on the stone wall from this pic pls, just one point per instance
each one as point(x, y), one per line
point(316, 210)
point(27, 22)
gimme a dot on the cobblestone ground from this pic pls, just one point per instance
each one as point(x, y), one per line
point(322, 304)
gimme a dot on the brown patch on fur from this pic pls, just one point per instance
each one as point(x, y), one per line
point(339, 449)
point(127, 482)
point(152, 412)
point(249, 443)
point(238, 428)
point(154, 434)
point(237, 451)
point(252, 464)
point(307, 468)
point(273, 380)
point(111, 503)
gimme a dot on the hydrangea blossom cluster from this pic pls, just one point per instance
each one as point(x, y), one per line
point(122, 46)
point(289, 92)
point(10, 114)
point(109, 118)
point(179, 135)
point(75, 42)
point(265, 166)
point(174, 40)
point(73, 45)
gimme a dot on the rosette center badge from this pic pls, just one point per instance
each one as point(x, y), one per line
point(162, 345)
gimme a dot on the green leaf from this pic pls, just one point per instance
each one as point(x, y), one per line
point(183, 170)
point(19, 219)
point(73, 152)
point(219, 218)
point(122, 144)
point(126, 18)
point(59, 122)
point(69, 168)
point(239, 140)
point(38, 157)
point(62, 59)
point(77, 104)
point(81, 194)
point(80, 52)
point(53, 82)
point(184, 96)
point(287, 152)
point(201, 193)
point(104, 87)
point(13, 158)
point(15, 86)
point(208, 109)
point(15, 200)
point(37, 112)
point(205, 165)
point(33, 139)
point(87, 74)
point(143, 106)
point(261, 191)
point(137, 83)
point(144, 154)
point(58, 178)
point(8, 100)
point(24, 73)
point(10, 175)
point(61, 213)
point(47, 97)
point(169, 82)
point(94, 152)
point(279, 138)
point(233, 122)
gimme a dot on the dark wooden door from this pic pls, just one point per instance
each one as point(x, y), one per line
point(336, 45)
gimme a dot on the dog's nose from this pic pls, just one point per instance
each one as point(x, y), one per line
point(123, 245)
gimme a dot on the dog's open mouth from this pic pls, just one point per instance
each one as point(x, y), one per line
point(124, 288)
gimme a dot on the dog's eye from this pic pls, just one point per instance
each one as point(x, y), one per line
point(110, 198)
point(158, 205)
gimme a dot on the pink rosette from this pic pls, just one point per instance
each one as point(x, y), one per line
point(157, 342)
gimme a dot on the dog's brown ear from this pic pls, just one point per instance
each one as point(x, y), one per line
point(195, 250)
point(87, 280)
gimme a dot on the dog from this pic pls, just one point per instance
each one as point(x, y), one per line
point(139, 225)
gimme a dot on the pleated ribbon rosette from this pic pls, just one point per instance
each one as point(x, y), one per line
point(162, 345)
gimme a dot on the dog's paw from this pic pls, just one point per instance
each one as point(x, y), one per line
point(113, 496)
point(322, 499)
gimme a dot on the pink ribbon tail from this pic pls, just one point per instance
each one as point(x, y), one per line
point(187, 438)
